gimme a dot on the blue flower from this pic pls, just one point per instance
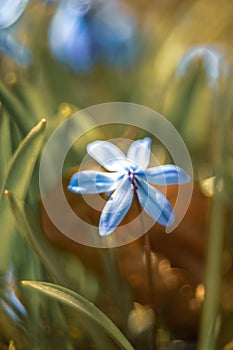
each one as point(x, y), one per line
point(10, 301)
point(84, 32)
point(10, 11)
point(69, 37)
point(127, 176)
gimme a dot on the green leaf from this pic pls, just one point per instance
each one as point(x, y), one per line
point(16, 136)
point(17, 179)
point(30, 227)
point(32, 99)
point(22, 164)
point(54, 263)
point(15, 109)
point(84, 306)
point(5, 143)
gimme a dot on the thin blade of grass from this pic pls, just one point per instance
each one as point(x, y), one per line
point(15, 109)
point(17, 178)
point(82, 305)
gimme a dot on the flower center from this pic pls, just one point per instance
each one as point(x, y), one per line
point(132, 180)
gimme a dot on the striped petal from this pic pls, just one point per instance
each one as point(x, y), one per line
point(116, 208)
point(166, 175)
point(108, 155)
point(155, 203)
point(91, 181)
point(139, 152)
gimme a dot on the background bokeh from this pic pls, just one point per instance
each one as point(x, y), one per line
point(59, 57)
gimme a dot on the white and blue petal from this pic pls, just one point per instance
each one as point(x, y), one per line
point(10, 11)
point(116, 208)
point(155, 203)
point(92, 181)
point(108, 155)
point(166, 175)
point(139, 152)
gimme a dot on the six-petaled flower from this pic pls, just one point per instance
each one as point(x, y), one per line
point(127, 176)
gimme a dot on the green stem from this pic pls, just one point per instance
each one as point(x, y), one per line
point(149, 270)
point(118, 288)
point(213, 277)
point(147, 251)
point(209, 322)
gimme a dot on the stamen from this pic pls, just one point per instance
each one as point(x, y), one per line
point(132, 179)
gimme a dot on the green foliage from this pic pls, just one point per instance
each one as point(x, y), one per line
point(17, 179)
point(85, 307)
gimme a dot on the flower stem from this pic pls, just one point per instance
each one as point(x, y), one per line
point(148, 262)
point(149, 270)
point(213, 278)
point(148, 255)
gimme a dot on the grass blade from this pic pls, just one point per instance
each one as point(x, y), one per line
point(55, 264)
point(5, 143)
point(22, 164)
point(30, 227)
point(17, 179)
point(82, 305)
point(15, 109)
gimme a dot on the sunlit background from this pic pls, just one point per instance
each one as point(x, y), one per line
point(58, 57)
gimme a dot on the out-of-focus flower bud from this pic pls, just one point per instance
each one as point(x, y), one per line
point(210, 56)
point(10, 46)
point(10, 11)
point(69, 38)
point(114, 34)
point(9, 301)
point(84, 32)
point(191, 97)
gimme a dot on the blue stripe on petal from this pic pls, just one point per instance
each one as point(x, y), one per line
point(108, 155)
point(155, 204)
point(91, 181)
point(116, 208)
point(166, 175)
point(139, 152)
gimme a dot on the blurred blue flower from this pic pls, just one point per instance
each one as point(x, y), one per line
point(210, 56)
point(86, 31)
point(10, 11)
point(9, 300)
point(11, 47)
point(127, 176)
